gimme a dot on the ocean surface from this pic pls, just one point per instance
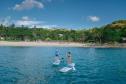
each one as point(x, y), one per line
point(33, 65)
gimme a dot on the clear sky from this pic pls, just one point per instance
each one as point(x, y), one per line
point(61, 13)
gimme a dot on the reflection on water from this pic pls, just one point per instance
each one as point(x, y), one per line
point(33, 65)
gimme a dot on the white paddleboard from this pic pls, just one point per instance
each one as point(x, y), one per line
point(71, 65)
point(56, 63)
point(69, 68)
point(65, 69)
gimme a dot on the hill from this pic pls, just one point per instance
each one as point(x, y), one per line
point(117, 24)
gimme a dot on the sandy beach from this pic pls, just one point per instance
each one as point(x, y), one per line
point(60, 44)
point(57, 44)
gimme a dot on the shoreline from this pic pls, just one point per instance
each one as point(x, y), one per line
point(60, 44)
point(41, 43)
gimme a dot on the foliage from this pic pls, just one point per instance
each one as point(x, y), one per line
point(110, 33)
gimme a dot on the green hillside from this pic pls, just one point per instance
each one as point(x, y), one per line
point(117, 24)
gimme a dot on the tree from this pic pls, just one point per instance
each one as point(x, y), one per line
point(98, 34)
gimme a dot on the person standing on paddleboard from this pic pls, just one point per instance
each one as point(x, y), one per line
point(57, 55)
point(69, 61)
point(69, 58)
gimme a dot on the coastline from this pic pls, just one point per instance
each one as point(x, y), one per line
point(41, 43)
point(61, 44)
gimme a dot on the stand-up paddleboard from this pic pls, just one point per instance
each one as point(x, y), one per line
point(68, 68)
point(56, 63)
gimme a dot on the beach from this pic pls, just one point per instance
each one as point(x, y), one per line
point(41, 43)
point(61, 44)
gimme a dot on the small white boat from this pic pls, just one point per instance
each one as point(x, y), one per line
point(56, 63)
point(68, 68)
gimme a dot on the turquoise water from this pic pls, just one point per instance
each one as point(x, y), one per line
point(33, 65)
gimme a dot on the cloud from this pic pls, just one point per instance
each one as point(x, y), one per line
point(5, 21)
point(26, 21)
point(31, 24)
point(25, 18)
point(47, 0)
point(28, 4)
point(47, 26)
point(94, 18)
point(52, 0)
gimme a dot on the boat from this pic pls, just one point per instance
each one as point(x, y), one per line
point(70, 67)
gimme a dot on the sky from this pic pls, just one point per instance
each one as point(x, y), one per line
point(73, 14)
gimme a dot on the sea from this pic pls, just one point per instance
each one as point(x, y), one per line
point(34, 65)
